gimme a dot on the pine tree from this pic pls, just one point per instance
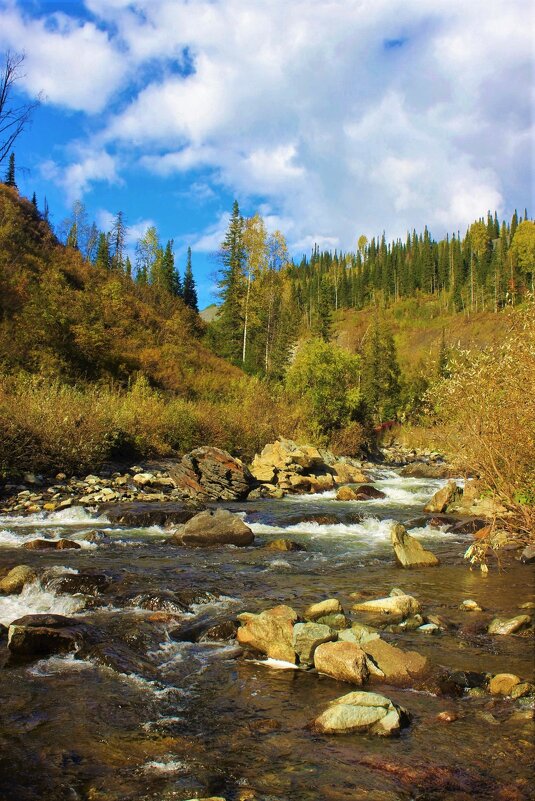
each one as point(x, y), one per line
point(323, 322)
point(46, 210)
point(34, 201)
point(380, 373)
point(168, 276)
point(102, 257)
point(118, 241)
point(232, 256)
point(189, 291)
point(10, 172)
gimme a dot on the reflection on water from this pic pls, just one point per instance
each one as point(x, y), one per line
point(152, 718)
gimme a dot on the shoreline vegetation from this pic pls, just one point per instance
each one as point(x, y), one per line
point(99, 364)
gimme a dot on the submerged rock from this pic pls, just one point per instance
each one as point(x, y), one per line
point(58, 545)
point(344, 661)
point(366, 492)
point(346, 494)
point(508, 626)
point(409, 552)
point(284, 545)
point(218, 527)
point(14, 582)
point(270, 632)
point(40, 635)
point(82, 583)
point(139, 514)
point(362, 712)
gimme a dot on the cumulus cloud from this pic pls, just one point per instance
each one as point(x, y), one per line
point(88, 167)
point(343, 116)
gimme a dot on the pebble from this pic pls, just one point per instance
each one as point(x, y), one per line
point(470, 606)
point(447, 716)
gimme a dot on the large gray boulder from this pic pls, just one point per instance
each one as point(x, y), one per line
point(307, 637)
point(219, 527)
point(409, 552)
point(362, 712)
point(212, 474)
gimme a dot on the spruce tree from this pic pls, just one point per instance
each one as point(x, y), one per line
point(231, 285)
point(34, 201)
point(168, 275)
point(323, 321)
point(10, 172)
point(102, 257)
point(190, 292)
point(118, 241)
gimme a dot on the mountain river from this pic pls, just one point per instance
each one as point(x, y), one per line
point(148, 718)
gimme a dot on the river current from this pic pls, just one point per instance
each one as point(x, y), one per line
point(149, 717)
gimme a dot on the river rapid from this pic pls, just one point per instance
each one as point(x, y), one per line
point(149, 717)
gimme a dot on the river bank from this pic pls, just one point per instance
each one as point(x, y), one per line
point(150, 707)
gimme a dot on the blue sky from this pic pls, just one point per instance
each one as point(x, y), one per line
point(331, 117)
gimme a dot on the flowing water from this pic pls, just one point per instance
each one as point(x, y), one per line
point(148, 717)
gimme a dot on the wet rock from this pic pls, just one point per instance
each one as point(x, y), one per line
point(470, 606)
point(97, 537)
point(358, 633)
point(270, 632)
point(425, 470)
point(16, 579)
point(344, 661)
point(522, 689)
point(528, 555)
point(120, 658)
point(218, 527)
point(467, 526)
point(334, 621)
point(366, 493)
point(67, 545)
point(205, 631)
point(284, 545)
point(168, 602)
point(509, 626)
point(429, 628)
point(39, 545)
point(80, 583)
point(408, 551)
point(503, 683)
point(307, 637)
point(139, 514)
point(362, 712)
point(399, 667)
point(40, 635)
point(447, 716)
point(346, 494)
point(213, 474)
point(399, 606)
point(266, 491)
point(411, 623)
point(328, 607)
point(441, 499)
point(347, 474)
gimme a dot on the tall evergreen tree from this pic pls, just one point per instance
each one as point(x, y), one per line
point(189, 291)
point(34, 201)
point(10, 172)
point(102, 256)
point(118, 241)
point(168, 275)
point(231, 285)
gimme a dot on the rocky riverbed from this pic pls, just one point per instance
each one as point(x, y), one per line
point(301, 662)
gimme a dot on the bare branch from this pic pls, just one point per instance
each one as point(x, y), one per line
point(13, 117)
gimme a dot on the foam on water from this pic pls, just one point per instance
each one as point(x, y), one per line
point(60, 664)
point(12, 539)
point(276, 664)
point(36, 600)
point(165, 767)
point(73, 516)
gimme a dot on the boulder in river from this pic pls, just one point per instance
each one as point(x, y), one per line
point(398, 667)
point(284, 545)
point(347, 474)
point(270, 632)
point(139, 514)
point(367, 493)
point(219, 527)
point(397, 605)
point(503, 683)
point(16, 579)
point(213, 474)
point(330, 606)
point(528, 555)
point(362, 712)
point(346, 494)
point(508, 626)
point(40, 635)
point(442, 499)
point(409, 552)
point(427, 470)
point(307, 637)
point(344, 661)
point(80, 583)
point(51, 545)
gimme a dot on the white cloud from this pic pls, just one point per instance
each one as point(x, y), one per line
point(344, 116)
point(90, 166)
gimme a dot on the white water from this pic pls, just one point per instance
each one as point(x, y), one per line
point(35, 599)
point(73, 516)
